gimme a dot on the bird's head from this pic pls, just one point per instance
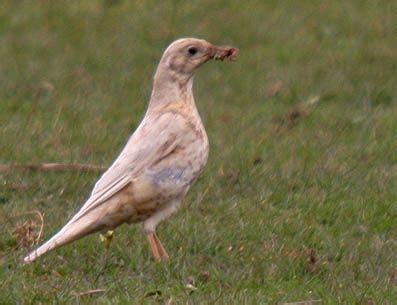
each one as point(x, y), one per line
point(185, 55)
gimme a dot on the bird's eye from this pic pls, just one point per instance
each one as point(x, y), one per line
point(192, 50)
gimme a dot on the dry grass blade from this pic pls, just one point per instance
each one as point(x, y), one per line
point(89, 292)
point(41, 226)
point(46, 167)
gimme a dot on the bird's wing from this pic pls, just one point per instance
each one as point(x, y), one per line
point(154, 139)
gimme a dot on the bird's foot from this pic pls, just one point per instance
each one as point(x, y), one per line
point(107, 239)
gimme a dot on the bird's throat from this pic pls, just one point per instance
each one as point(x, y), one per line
point(170, 88)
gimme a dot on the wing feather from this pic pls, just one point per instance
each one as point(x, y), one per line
point(155, 138)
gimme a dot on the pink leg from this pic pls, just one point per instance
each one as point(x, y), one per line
point(163, 253)
point(154, 247)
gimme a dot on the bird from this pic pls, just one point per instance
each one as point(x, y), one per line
point(161, 160)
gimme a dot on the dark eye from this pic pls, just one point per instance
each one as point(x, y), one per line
point(192, 50)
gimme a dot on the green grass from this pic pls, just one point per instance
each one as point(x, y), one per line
point(298, 201)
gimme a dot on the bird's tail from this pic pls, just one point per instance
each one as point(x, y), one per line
point(70, 232)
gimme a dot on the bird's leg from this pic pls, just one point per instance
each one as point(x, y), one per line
point(158, 251)
point(163, 253)
point(153, 246)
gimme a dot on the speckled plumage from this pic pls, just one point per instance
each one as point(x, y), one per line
point(161, 160)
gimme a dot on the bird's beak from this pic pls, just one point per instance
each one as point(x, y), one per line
point(221, 53)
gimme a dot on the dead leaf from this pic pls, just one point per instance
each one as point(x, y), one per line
point(24, 234)
point(274, 89)
point(29, 232)
point(312, 257)
point(204, 276)
point(257, 161)
point(155, 293)
point(190, 285)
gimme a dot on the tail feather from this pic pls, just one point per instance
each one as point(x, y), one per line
point(70, 232)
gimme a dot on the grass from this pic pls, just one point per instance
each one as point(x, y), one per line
point(298, 201)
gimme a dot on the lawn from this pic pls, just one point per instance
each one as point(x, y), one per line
point(299, 198)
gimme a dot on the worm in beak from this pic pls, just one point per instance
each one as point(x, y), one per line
point(221, 53)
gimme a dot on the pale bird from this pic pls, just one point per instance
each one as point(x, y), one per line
point(160, 161)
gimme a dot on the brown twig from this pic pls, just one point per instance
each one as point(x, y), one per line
point(46, 167)
point(308, 302)
point(16, 187)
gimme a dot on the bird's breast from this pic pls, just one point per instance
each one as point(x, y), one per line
point(182, 171)
point(183, 167)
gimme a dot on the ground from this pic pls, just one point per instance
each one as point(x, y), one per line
point(298, 201)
